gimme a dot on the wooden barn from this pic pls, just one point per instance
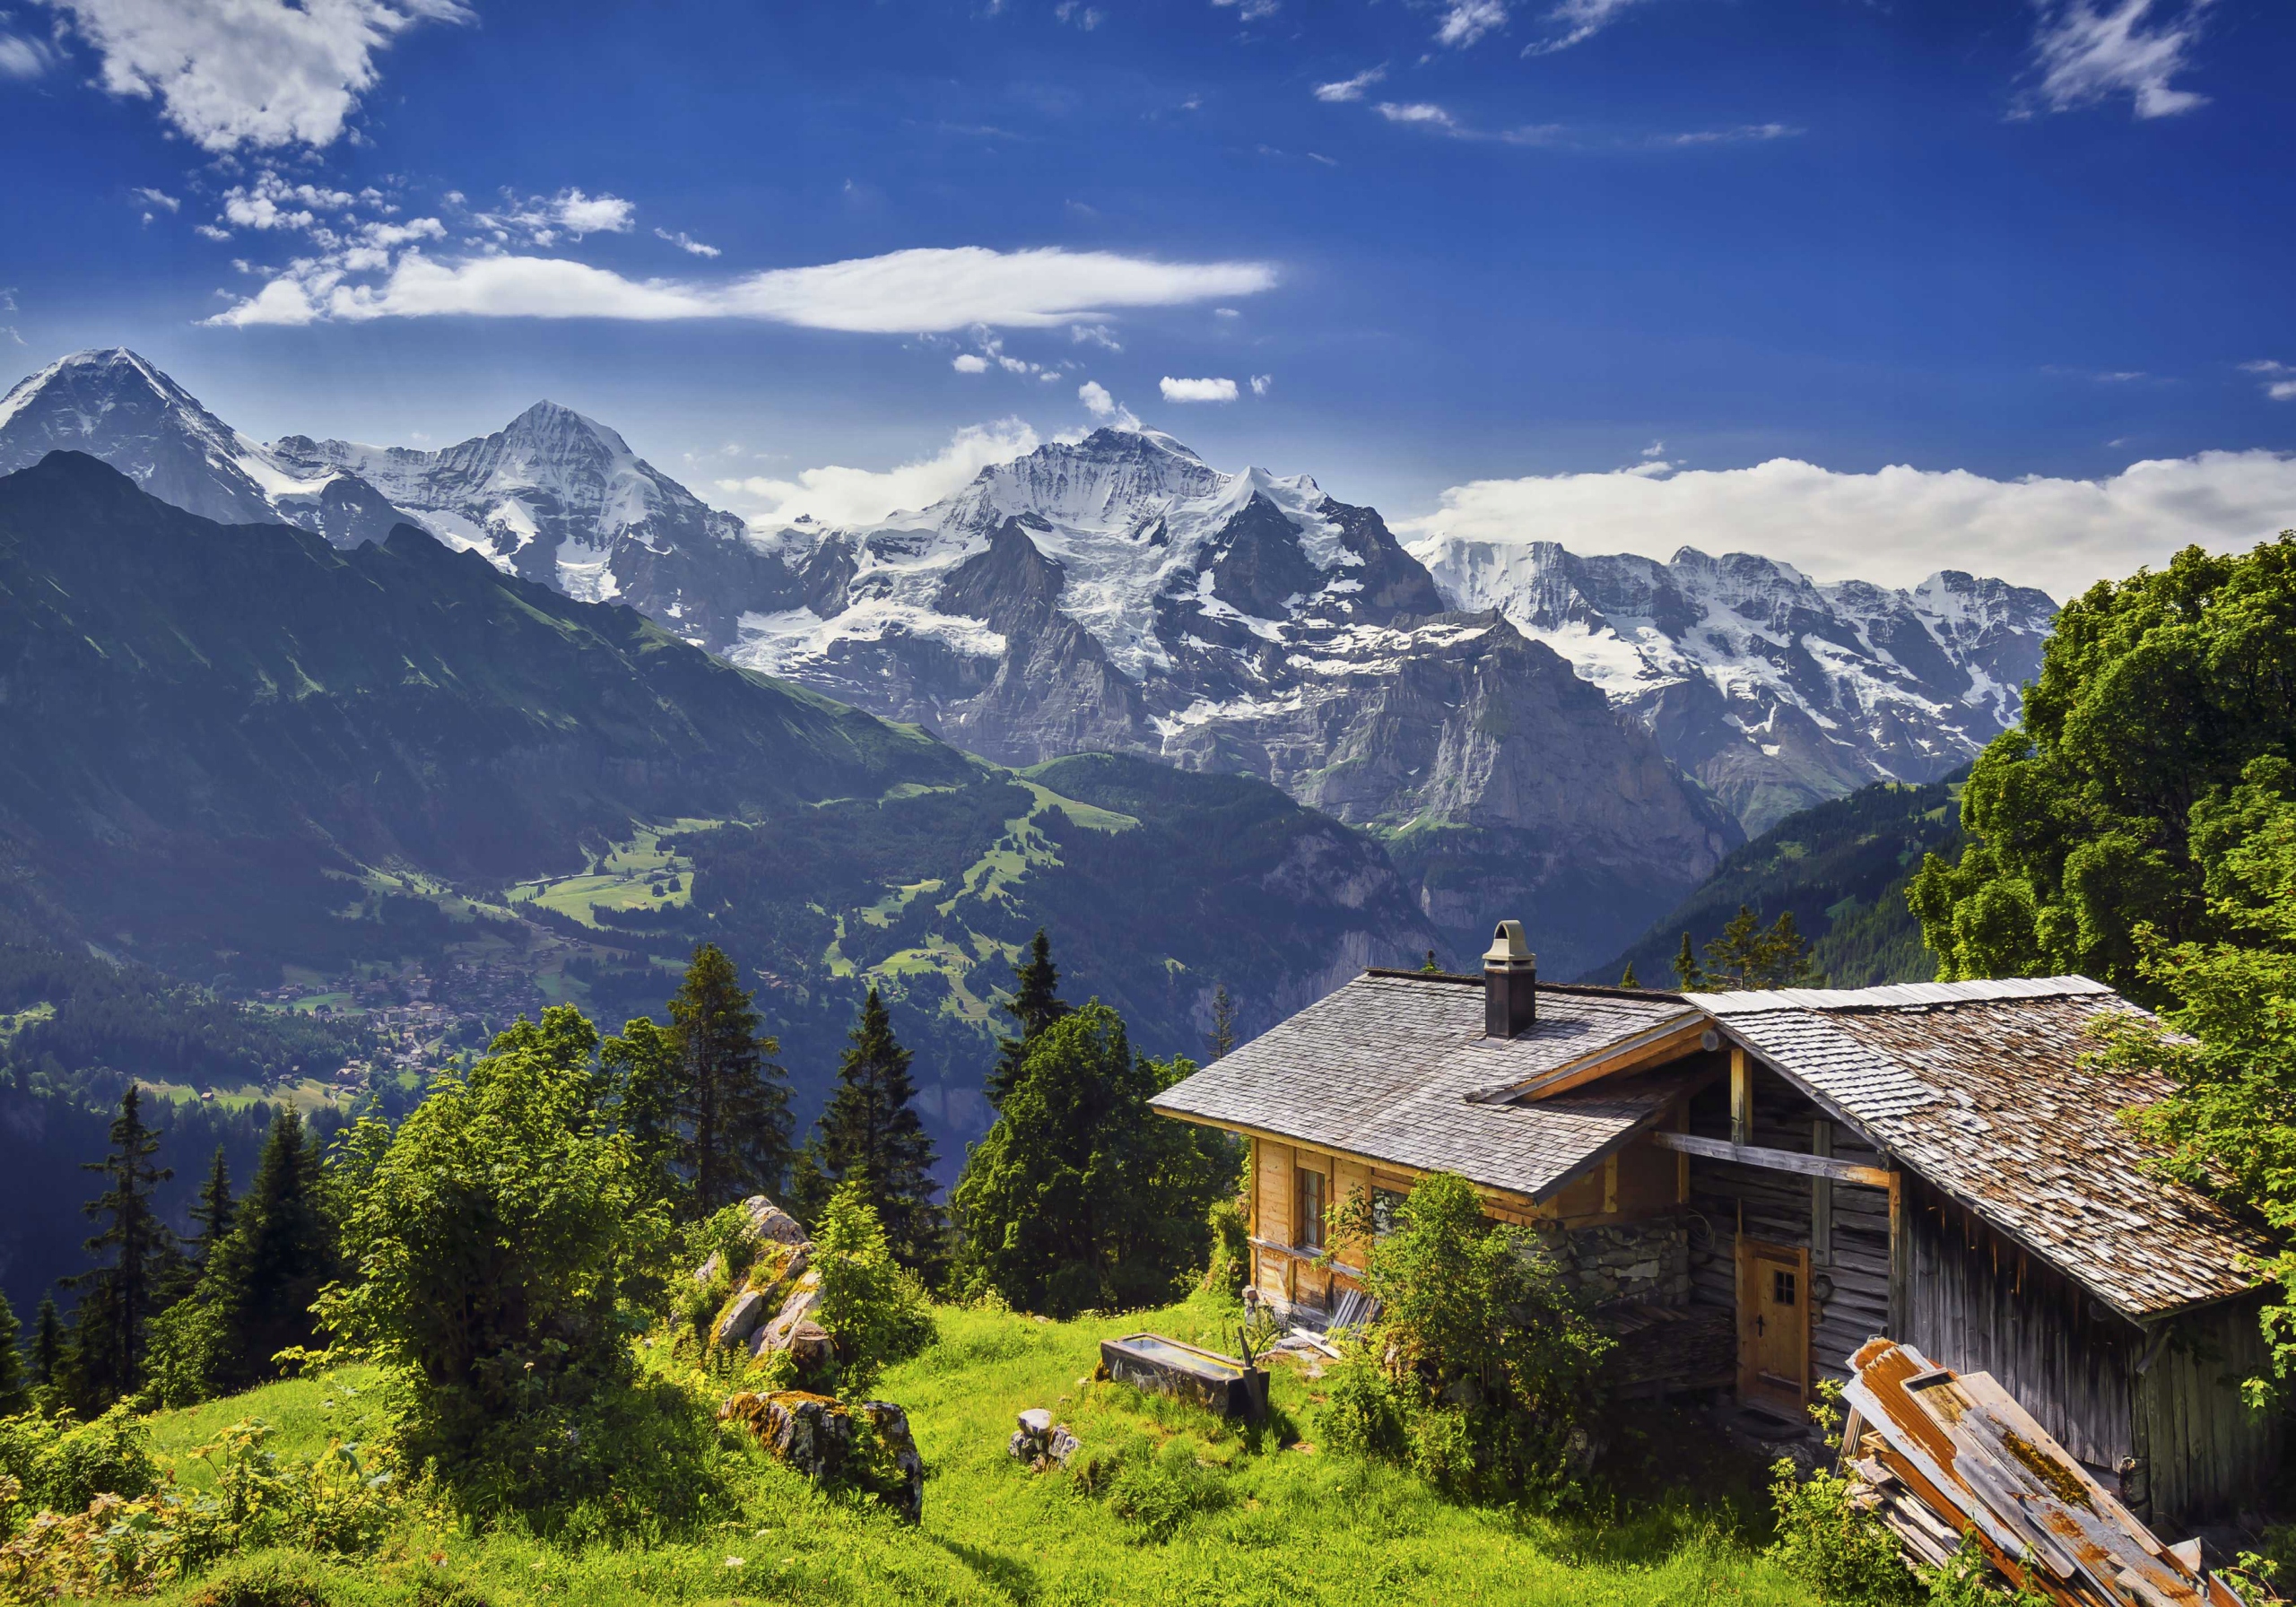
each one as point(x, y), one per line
point(1749, 1186)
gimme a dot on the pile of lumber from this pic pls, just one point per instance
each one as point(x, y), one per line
point(1939, 1454)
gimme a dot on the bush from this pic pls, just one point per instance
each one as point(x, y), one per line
point(1843, 1553)
point(61, 1466)
point(187, 1342)
point(1231, 1251)
point(873, 1310)
point(1360, 1415)
point(1156, 1496)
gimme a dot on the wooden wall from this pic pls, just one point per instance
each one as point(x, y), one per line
point(1778, 1208)
point(2201, 1454)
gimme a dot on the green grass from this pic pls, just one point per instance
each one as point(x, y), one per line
point(1276, 1519)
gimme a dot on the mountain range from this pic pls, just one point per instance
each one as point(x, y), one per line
point(236, 752)
point(1576, 741)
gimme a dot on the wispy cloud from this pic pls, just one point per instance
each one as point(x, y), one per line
point(1743, 134)
point(1261, 383)
point(1467, 20)
point(1349, 88)
point(1250, 11)
point(1104, 407)
point(1424, 114)
point(2278, 379)
point(2084, 54)
point(686, 243)
point(24, 58)
point(153, 201)
point(924, 290)
point(266, 73)
point(1196, 390)
point(837, 495)
point(1085, 17)
point(1574, 22)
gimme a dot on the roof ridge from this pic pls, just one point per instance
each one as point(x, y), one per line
point(1581, 989)
point(1896, 995)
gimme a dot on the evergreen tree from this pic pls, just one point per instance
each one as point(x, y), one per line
point(1628, 980)
point(214, 1211)
point(121, 1297)
point(1223, 1023)
point(1686, 972)
point(1081, 1196)
point(870, 1136)
point(640, 1100)
point(1035, 1004)
point(733, 1101)
point(262, 1279)
point(1430, 968)
point(15, 1389)
point(49, 1360)
point(1745, 956)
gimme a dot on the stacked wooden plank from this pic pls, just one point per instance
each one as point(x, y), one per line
point(1941, 1455)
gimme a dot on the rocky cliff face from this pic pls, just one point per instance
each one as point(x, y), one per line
point(1776, 691)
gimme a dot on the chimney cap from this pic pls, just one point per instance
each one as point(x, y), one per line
point(1508, 946)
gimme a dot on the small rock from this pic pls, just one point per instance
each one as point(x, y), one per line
point(1060, 1446)
point(742, 1318)
point(905, 1494)
point(1037, 1422)
point(770, 1222)
point(709, 1269)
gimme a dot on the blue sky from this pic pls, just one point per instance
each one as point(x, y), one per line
point(1484, 257)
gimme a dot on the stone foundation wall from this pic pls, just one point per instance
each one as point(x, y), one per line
point(1648, 1260)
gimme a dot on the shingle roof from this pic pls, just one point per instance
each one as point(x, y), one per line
point(1383, 1068)
point(1979, 1087)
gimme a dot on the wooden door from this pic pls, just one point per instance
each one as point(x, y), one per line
point(1774, 1327)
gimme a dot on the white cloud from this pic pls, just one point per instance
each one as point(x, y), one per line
point(273, 202)
point(968, 362)
point(1096, 399)
point(1251, 11)
point(1196, 390)
point(1575, 21)
point(1423, 113)
point(843, 495)
point(1896, 525)
point(1467, 20)
point(1261, 383)
point(22, 59)
point(151, 197)
point(924, 290)
point(2085, 54)
point(1741, 135)
point(261, 73)
point(582, 214)
point(210, 232)
point(2279, 378)
point(282, 301)
point(1084, 16)
point(1349, 88)
point(1095, 335)
point(686, 243)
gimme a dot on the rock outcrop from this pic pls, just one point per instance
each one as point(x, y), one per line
point(770, 1310)
point(822, 1440)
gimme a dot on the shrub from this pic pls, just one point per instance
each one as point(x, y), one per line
point(1360, 1415)
point(1826, 1541)
point(187, 1342)
point(1156, 1496)
point(873, 1310)
point(1231, 1251)
point(62, 1465)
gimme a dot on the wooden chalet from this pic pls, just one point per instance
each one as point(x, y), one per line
point(1749, 1186)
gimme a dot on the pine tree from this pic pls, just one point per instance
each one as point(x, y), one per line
point(214, 1211)
point(733, 1101)
point(15, 1389)
point(1223, 1023)
point(121, 1297)
point(1686, 972)
point(1035, 1004)
point(1745, 956)
point(47, 1346)
point(262, 1279)
point(871, 1135)
point(1628, 980)
point(1430, 968)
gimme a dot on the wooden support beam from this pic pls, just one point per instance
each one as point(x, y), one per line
point(1900, 1250)
point(1742, 1096)
point(1775, 1161)
point(1821, 1196)
point(1681, 1161)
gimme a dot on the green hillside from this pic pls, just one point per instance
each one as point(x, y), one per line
point(1841, 868)
point(1166, 1504)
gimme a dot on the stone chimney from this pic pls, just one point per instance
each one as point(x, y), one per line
point(1510, 980)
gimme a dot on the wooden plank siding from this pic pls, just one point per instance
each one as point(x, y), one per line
point(1729, 1199)
point(2201, 1454)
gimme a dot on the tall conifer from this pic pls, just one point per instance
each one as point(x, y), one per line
point(871, 1134)
point(263, 1277)
point(121, 1297)
point(1035, 1004)
point(15, 1389)
point(47, 1346)
point(732, 1101)
point(214, 1211)
point(1223, 1023)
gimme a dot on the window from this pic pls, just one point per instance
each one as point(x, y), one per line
point(1307, 1231)
point(1781, 1288)
point(1387, 1207)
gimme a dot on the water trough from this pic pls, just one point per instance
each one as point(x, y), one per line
point(1167, 1367)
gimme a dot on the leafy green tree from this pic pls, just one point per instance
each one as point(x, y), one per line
point(263, 1276)
point(873, 1309)
point(15, 1389)
point(733, 1101)
point(1081, 1196)
point(120, 1299)
point(492, 1239)
point(2155, 694)
point(1035, 1004)
point(1223, 1037)
point(871, 1137)
point(641, 1078)
point(1482, 1360)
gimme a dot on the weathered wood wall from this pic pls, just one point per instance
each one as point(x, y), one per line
point(1779, 1208)
point(2201, 1453)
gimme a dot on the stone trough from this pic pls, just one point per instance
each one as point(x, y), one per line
point(1167, 1367)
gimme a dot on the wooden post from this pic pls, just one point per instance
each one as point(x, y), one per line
point(1681, 1161)
point(1610, 1186)
point(1821, 1197)
point(1898, 1250)
point(1742, 1096)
